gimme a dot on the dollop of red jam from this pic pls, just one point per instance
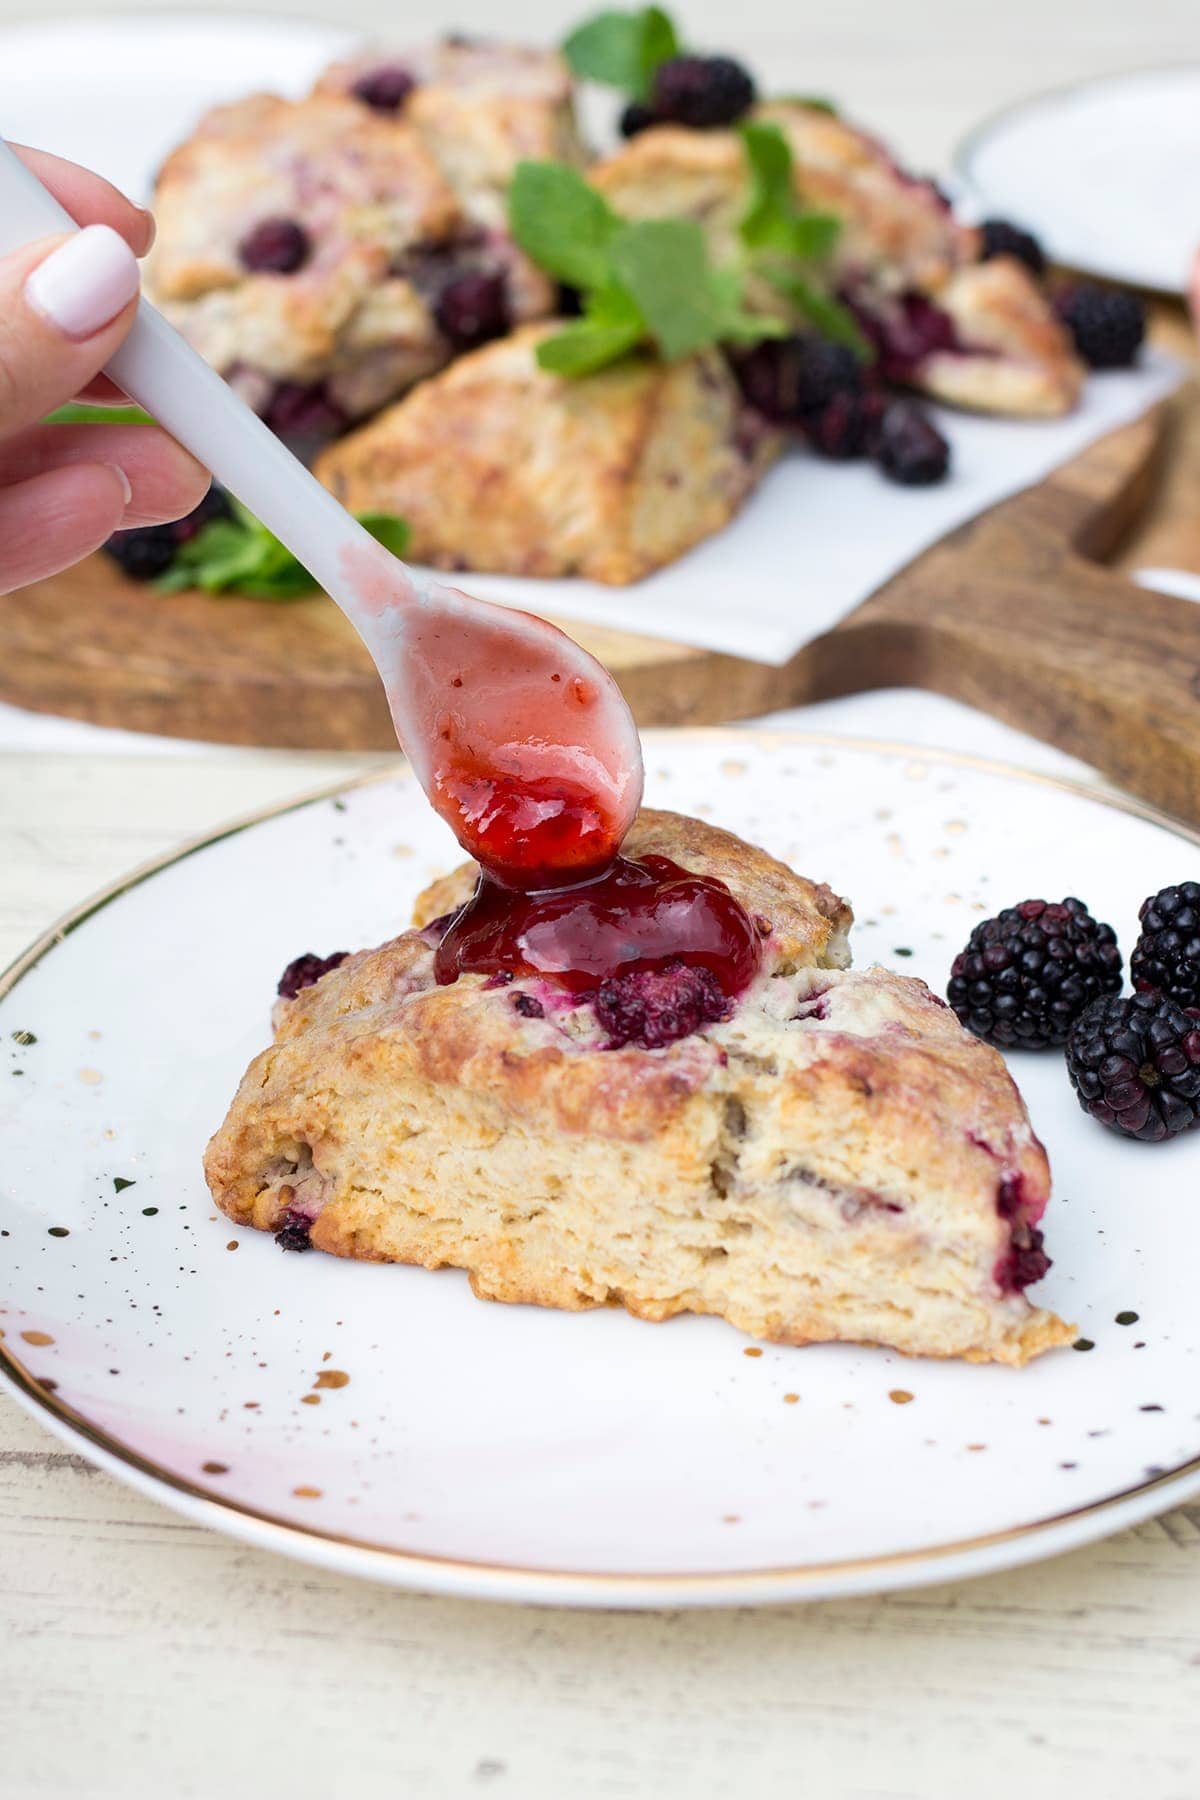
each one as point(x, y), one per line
point(633, 916)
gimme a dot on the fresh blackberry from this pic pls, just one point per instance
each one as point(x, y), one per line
point(144, 552)
point(1166, 957)
point(528, 1006)
point(701, 91)
point(384, 90)
point(305, 970)
point(791, 379)
point(1108, 326)
point(1026, 976)
point(473, 308)
point(636, 117)
point(275, 247)
point(1135, 1065)
point(653, 1007)
point(847, 425)
point(908, 446)
point(1002, 238)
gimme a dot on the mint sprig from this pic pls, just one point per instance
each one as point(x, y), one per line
point(79, 412)
point(785, 241)
point(623, 49)
point(240, 555)
point(648, 282)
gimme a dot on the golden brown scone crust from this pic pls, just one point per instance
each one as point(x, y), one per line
point(375, 203)
point(829, 1163)
point(500, 466)
point(897, 236)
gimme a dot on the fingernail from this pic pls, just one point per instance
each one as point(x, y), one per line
point(151, 228)
point(123, 478)
point(85, 283)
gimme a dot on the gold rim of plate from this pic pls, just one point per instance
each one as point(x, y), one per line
point(428, 1570)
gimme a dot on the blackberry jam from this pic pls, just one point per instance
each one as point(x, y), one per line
point(635, 916)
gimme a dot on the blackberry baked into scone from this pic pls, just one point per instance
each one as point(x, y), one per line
point(316, 255)
point(500, 465)
point(813, 1155)
point(977, 335)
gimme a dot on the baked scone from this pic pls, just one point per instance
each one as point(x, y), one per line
point(835, 1159)
point(307, 250)
point(498, 465)
point(479, 108)
point(982, 336)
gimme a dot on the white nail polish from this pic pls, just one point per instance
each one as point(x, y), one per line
point(85, 282)
point(123, 478)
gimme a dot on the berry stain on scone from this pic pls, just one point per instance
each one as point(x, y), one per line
point(704, 1113)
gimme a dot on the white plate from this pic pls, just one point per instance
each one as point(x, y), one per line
point(117, 92)
point(538, 1455)
point(1104, 173)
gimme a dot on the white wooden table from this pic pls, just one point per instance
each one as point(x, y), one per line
point(144, 1656)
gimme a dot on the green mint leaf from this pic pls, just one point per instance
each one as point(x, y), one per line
point(831, 318)
point(561, 222)
point(612, 325)
point(774, 218)
point(241, 556)
point(386, 529)
point(622, 49)
point(663, 263)
point(772, 206)
point(813, 235)
point(78, 412)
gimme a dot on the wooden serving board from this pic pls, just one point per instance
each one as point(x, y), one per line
point(1012, 613)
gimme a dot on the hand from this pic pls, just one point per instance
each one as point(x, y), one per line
point(66, 303)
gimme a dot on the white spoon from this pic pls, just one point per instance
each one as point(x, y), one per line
point(508, 724)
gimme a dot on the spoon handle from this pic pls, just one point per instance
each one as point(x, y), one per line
point(158, 369)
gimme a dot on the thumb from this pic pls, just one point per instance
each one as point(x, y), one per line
point(65, 306)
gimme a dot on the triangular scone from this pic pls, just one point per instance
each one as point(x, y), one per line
point(498, 465)
point(982, 336)
point(837, 1160)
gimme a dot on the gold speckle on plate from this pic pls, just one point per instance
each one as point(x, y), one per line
point(941, 853)
point(403, 850)
point(250, 1405)
point(39, 1339)
point(734, 766)
point(731, 1518)
point(955, 827)
point(311, 1400)
point(752, 1351)
point(883, 812)
point(895, 843)
point(215, 1468)
point(915, 771)
point(790, 1399)
point(95, 1036)
point(332, 1378)
point(92, 1077)
point(953, 899)
point(307, 1493)
point(900, 1396)
point(232, 1244)
point(976, 1446)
